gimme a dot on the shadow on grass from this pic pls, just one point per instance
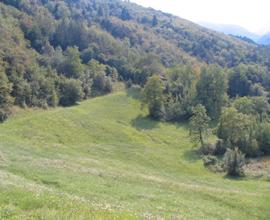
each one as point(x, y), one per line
point(144, 123)
point(192, 155)
point(234, 178)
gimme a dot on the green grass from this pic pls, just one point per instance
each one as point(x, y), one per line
point(104, 159)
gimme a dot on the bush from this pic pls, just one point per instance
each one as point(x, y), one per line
point(234, 161)
point(264, 138)
point(71, 92)
point(220, 147)
point(213, 163)
point(253, 148)
point(209, 160)
point(4, 114)
point(208, 149)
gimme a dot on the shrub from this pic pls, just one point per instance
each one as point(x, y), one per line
point(71, 92)
point(213, 163)
point(209, 160)
point(220, 147)
point(208, 149)
point(234, 161)
point(4, 114)
point(264, 138)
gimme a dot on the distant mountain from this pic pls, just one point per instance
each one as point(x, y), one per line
point(232, 30)
point(265, 40)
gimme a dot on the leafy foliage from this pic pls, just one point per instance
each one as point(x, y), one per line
point(199, 124)
point(212, 90)
point(236, 129)
point(152, 96)
point(234, 161)
point(71, 92)
point(181, 92)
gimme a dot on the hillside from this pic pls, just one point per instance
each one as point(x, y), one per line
point(55, 53)
point(145, 30)
point(103, 158)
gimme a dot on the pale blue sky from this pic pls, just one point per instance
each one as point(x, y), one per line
point(250, 14)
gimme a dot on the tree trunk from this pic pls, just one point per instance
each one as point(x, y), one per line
point(201, 139)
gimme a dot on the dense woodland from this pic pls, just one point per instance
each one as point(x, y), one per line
point(60, 52)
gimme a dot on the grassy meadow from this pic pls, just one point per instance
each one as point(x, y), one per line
point(104, 159)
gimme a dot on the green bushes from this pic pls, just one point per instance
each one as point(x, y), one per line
point(71, 92)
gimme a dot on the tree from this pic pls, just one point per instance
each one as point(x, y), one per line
point(199, 124)
point(264, 137)
point(261, 106)
point(72, 66)
point(234, 160)
point(62, 10)
point(70, 33)
point(87, 83)
point(248, 79)
point(6, 100)
point(237, 129)
point(102, 84)
point(239, 84)
point(212, 90)
point(257, 105)
point(71, 92)
point(152, 96)
point(154, 21)
point(146, 67)
point(181, 89)
point(244, 105)
point(125, 15)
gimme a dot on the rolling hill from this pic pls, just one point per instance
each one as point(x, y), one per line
point(105, 159)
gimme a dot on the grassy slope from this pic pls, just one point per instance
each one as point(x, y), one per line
point(104, 159)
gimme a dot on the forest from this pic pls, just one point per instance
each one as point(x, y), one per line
point(57, 53)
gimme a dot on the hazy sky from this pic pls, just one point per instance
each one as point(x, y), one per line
point(253, 15)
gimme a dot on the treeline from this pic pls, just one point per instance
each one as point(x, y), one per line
point(184, 86)
point(235, 99)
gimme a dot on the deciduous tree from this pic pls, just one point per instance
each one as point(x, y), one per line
point(199, 124)
point(152, 96)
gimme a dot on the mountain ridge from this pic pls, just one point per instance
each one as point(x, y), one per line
point(238, 31)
